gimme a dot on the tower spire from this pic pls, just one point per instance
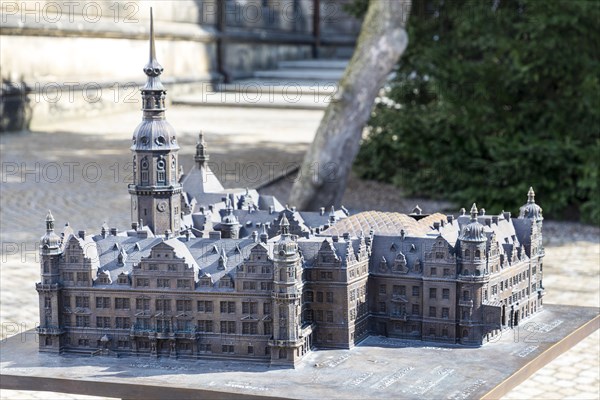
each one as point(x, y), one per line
point(153, 92)
point(155, 191)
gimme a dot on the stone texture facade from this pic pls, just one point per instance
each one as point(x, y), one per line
point(209, 272)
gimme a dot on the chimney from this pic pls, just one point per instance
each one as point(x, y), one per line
point(168, 234)
point(488, 222)
point(201, 209)
point(495, 219)
point(346, 236)
point(214, 235)
point(322, 211)
point(114, 231)
point(271, 209)
point(134, 226)
point(436, 226)
point(450, 219)
point(254, 236)
point(187, 235)
point(294, 209)
point(335, 238)
point(81, 234)
point(482, 211)
point(506, 215)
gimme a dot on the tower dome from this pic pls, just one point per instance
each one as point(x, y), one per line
point(50, 241)
point(473, 231)
point(530, 209)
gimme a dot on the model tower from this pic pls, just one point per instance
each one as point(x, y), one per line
point(287, 296)
point(155, 192)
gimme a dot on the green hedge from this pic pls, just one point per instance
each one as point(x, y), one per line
point(488, 101)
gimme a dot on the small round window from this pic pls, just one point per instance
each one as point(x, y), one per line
point(160, 164)
point(160, 141)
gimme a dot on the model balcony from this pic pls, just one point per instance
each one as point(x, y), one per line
point(50, 330)
point(282, 343)
point(399, 316)
point(285, 296)
point(47, 286)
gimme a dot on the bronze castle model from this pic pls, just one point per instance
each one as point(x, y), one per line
point(208, 272)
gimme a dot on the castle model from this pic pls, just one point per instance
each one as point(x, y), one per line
point(215, 273)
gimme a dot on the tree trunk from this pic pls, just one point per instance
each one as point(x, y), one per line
point(324, 172)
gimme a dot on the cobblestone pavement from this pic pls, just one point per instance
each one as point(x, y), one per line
point(85, 198)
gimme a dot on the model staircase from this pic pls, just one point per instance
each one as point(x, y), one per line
point(300, 84)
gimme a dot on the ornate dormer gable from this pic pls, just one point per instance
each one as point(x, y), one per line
point(400, 264)
point(123, 279)
point(259, 254)
point(205, 280)
point(441, 251)
point(362, 252)
point(350, 256)
point(226, 281)
point(73, 254)
point(103, 278)
point(327, 256)
point(162, 251)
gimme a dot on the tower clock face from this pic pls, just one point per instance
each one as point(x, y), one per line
point(162, 206)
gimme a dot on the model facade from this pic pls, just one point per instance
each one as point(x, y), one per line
point(209, 272)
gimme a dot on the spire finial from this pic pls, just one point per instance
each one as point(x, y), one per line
point(531, 196)
point(153, 68)
point(284, 224)
point(201, 156)
point(49, 222)
point(474, 212)
point(152, 52)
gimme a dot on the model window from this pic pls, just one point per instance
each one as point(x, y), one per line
point(205, 326)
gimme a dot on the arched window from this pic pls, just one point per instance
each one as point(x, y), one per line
point(466, 295)
point(282, 274)
point(467, 253)
point(144, 170)
point(160, 171)
point(477, 254)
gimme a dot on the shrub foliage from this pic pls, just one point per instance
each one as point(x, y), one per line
point(492, 97)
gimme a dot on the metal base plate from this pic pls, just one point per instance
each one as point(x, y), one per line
point(378, 368)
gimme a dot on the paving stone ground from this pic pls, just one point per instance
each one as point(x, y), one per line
point(29, 186)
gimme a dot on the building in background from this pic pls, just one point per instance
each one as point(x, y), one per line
point(57, 56)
